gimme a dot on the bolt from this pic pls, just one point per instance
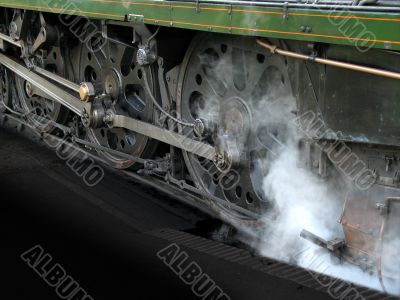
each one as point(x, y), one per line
point(28, 89)
point(108, 118)
point(199, 127)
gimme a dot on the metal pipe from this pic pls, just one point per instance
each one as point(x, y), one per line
point(159, 107)
point(290, 4)
point(275, 50)
point(9, 40)
point(381, 235)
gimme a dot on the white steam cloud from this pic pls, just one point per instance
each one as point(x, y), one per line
point(300, 199)
point(303, 200)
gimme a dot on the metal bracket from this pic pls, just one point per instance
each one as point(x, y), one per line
point(383, 208)
point(40, 39)
point(136, 19)
point(332, 245)
point(230, 17)
point(285, 15)
point(198, 9)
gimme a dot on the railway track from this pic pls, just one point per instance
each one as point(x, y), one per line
point(154, 215)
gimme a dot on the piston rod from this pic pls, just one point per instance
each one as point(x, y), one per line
point(275, 50)
point(53, 91)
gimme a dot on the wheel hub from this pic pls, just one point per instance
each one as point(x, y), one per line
point(112, 83)
point(235, 119)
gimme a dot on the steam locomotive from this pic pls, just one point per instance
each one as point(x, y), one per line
point(207, 95)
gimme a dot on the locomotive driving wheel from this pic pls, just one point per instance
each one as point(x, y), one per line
point(111, 67)
point(231, 83)
point(39, 109)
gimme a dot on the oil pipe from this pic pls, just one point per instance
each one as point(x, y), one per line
point(381, 236)
point(275, 50)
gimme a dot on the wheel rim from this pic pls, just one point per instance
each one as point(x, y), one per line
point(213, 90)
point(111, 68)
point(5, 95)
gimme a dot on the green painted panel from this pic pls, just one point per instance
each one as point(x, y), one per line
point(372, 29)
point(208, 18)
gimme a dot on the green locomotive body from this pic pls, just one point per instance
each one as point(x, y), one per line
point(316, 22)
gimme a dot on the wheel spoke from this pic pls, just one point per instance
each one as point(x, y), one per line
point(135, 76)
point(256, 70)
point(100, 54)
point(210, 85)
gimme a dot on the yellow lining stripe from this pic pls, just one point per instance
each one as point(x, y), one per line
point(44, 8)
point(207, 8)
point(271, 31)
point(198, 25)
point(246, 10)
